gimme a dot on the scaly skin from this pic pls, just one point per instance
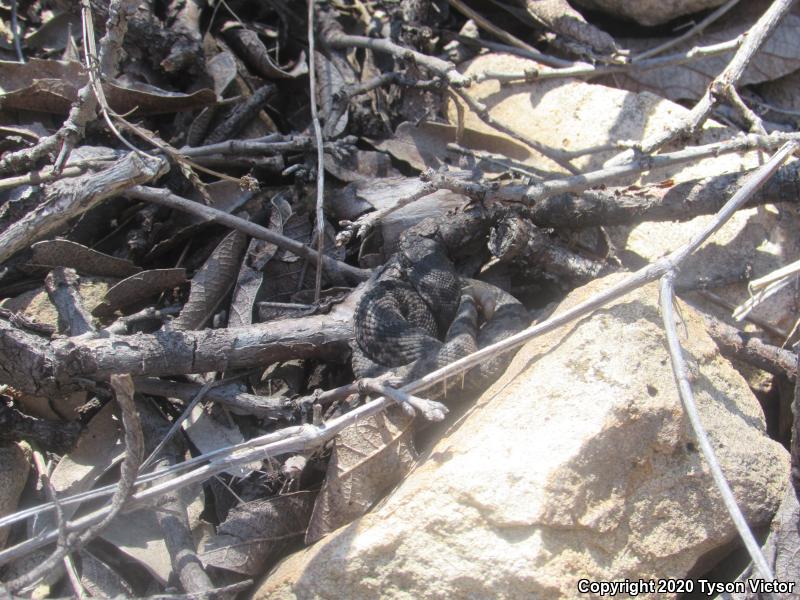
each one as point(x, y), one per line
point(418, 298)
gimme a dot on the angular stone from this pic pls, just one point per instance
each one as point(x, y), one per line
point(577, 463)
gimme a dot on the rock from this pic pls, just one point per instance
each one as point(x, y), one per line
point(578, 463)
point(572, 115)
point(753, 243)
point(649, 12)
point(14, 467)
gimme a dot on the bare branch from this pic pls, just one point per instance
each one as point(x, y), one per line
point(616, 175)
point(332, 35)
point(173, 520)
point(229, 394)
point(212, 215)
point(84, 109)
point(62, 288)
point(688, 34)
point(41, 176)
point(586, 71)
point(725, 80)
point(134, 448)
point(320, 217)
point(734, 343)
point(54, 436)
point(29, 363)
point(69, 198)
point(680, 371)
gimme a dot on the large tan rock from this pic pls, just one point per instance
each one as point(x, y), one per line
point(575, 116)
point(577, 463)
point(752, 243)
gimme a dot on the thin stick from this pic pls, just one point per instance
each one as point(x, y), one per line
point(587, 71)
point(530, 194)
point(176, 425)
point(15, 32)
point(728, 78)
point(503, 35)
point(81, 113)
point(41, 176)
point(698, 28)
point(165, 198)
point(134, 448)
point(109, 60)
point(679, 370)
point(312, 84)
point(430, 409)
point(334, 36)
point(735, 343)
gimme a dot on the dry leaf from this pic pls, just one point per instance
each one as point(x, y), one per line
point(256, 532)
point(143, 99)
point(332, 76)
point(782, 93)
point(256, 55)
point(65, 253)
point(360, 165)
point(251, 273)
point(40, 85)
point(287, 273)
point(209, 429)
point(424, 146)
point(649, 12)
point(212, 282)
point(222, 69)
point(359, 197)
point(778, 56)
point(98, 449)
point(52, 86)
point(368, 459)
point(53, 35)
point(138, 288)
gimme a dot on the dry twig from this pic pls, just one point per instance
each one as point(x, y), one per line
point(320, 218)
point(724, 84)
point(66, 199)
point(680, 371)
point(166, 198)
point(84, 110)
point(134, 448)
point(689, 33)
